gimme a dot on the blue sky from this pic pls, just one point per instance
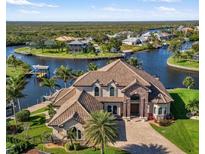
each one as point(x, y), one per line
point(102, 10)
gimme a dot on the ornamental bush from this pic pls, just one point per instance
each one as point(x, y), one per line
point(23, 116)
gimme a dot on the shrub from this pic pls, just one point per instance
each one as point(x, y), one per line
point(23, 116)
point(77, 146)
point(164, 122)
point(13, 129)
point(69, 147)
point(20, 145)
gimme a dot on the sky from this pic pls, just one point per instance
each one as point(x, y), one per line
point(102, 10)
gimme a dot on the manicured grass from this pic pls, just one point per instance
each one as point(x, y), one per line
point(182, 97)
point(39, 111)
point(184, 132)
point(36, 128)
point(184, 63)
point(134, 47)
point(63, 54)
point(15, 71)
point(108, 150)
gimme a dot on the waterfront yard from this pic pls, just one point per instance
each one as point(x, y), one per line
point(183, 132)
point(54, 53)
point(190, 64)
point(134, 48)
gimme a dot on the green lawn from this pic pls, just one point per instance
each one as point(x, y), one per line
point(184, 132)
point(36, 129)
point(184, 63)
point(14, 71)
point(133, 47)
point(108, 150)
point(44, 109)
point(182, 97)
point(63, 54)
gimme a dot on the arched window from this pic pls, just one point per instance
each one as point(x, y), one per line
point(109, 108)
point(79, 134)
point(97, 91)
point(112, 91)
point(135, 97)
point(114, 109)
point(160, 110)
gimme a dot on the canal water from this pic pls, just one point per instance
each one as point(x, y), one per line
point(154, 62)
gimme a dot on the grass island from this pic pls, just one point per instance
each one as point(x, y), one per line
point(185, 64)
point(53, 53)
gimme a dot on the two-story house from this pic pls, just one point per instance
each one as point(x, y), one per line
point(118, 87)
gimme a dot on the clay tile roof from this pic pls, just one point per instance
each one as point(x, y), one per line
point(65, 38)
point(81, 104)
point(122, 73)
point(63, 96)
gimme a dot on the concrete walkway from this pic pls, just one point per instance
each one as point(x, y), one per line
point(140, 138)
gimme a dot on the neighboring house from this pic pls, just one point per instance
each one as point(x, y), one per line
point(119, 88)
point(77, 46)
point(132, 41)
point(163, 36)
point(65, 38)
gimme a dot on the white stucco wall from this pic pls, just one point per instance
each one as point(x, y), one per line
point(163, 106)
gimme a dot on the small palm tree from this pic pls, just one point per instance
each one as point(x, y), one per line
point(64, 73)
point(92, 67)
point(188, 82)
point(101, 129)
point(134, 62)
point(71, 135)
point(50, 83)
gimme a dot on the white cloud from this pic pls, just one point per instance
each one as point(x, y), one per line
point(29, 11)
point(28, 3)
point(113, 9)
point(166, 9)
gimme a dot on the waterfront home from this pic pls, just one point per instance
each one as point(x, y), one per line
point(77, 46)
point(132, 41)
point(163, 36)
point(119, 88)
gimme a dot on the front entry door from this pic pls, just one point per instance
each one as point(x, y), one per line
point(134, 111)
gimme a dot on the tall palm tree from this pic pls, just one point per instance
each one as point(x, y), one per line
point(64, 73)
point(101, 129)
point(50, 83)
point(15, 86)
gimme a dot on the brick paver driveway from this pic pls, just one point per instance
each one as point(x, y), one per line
point(140, 138)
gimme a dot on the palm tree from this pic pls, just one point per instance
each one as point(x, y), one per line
point(133, 61)
point(188, 82)
point(50, 83)
point(92, 67)
point(64, 73)
point(14, 87)
point(71, 135)
point(101, 128)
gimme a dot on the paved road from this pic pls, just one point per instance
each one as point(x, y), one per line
point(140, 138)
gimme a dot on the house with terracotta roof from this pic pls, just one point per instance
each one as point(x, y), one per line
point(119, 88)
